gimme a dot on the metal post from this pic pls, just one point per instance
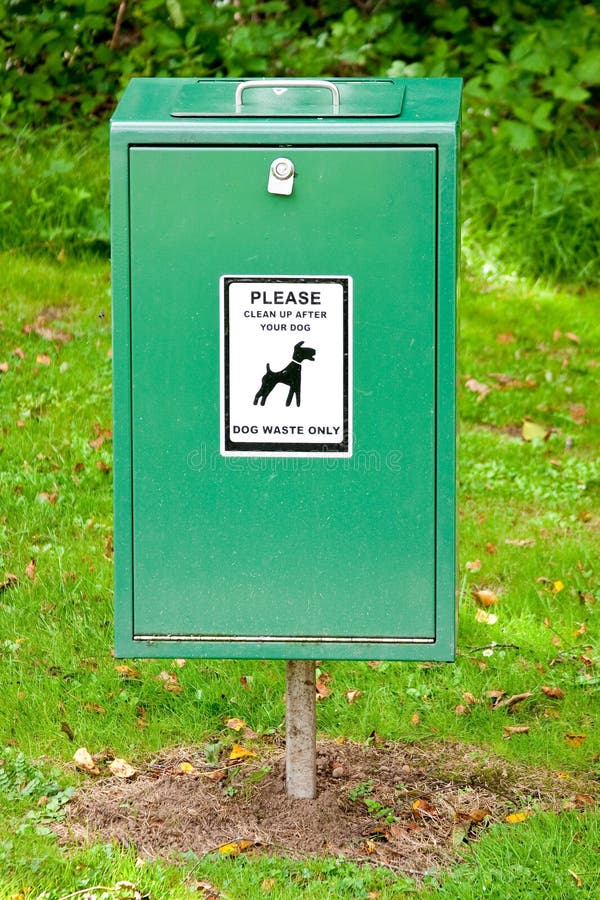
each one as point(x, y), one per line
point(300, 728)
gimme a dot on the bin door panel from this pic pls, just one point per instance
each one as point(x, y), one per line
point(269, 546)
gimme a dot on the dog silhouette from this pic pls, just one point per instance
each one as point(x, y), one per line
point(291, 375)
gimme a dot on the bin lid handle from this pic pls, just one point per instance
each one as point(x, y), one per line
point(286, 83)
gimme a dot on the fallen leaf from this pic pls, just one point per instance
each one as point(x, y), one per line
point(235, 724)
point(478, 815)
point(477, 387)
point(485, 618)
point(495, 695)
point(217, 775)
point(491, 548)
point(94, 707)
point(474, 566)
point(321, 685)
point(4, 367)
point(514, 818)
point(268, 884)
point(557, 587)
point(45, 497)
point(186, 768)
point(374, 664)
point(506, 337)
point(579, 801)
point(43, 359)
point(576, 878)
point(127, 672)
point(239, 752)
point(510, 702)
point(415, 719)
point(556, 692)
point(469, 698)
point(234, 848)
point(66, 729)
point(509, 730)
point(578, 413)
point(461, 710)
point(575, 740)
point(524, 542)
point(485, 598)
point(581, 630)
point(531, 431)
point(351, 696)
point(18, 352)
point(170, 682)
point(120, 768)
point(30, 570)
point(556, 334)
point(423, 807)
point(84, 761)
point(572, 337)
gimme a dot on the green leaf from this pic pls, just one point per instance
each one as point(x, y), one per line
point(176, 13)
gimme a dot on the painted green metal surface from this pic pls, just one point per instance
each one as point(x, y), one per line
point(284, 556)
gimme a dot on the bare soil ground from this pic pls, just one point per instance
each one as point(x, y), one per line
point(412, 807)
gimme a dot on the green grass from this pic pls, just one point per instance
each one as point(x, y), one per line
point(537, 350)
point(61, 688)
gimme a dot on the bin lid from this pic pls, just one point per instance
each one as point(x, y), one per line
point(289, 98)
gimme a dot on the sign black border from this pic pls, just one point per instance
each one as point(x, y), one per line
point(283, 448)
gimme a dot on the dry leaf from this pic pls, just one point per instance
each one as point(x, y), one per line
point(578, 413)
point(531, 431)
point(491, 548)
point(478, 815)
point(351, 696)
point(495, 695)
point(4, 367)
point(423, 808)
point(576, 878)
point(557, 587)
point(323, 690)
point(84, 761)
point(170, 682)
point(30, 570)
point(513, 818)
point(485, 617)
point(268, 884)
point(485, 598)
point(556, 692)
point(234, 848)
point(239, 752)
point(235, 724)
point(120, 768)
point(127, 672)
point(482, 390)
point(506, 337)
point(94, 707)
point(510, 702)
point(469, 698)
point(10, 580)
point(45, 497)
point(43, 359)
point(509, 730)
point(18, 352)
point(415, 719)
point(524, 542)
point(572, 337)
point(461, 710)
point(186, 768)
point(575, 740)
point(474, 566)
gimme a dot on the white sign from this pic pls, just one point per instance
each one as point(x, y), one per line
point(286, 366)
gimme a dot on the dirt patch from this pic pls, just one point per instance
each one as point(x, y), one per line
point(412, 807)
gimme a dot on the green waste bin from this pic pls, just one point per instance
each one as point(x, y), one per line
point(284, 281)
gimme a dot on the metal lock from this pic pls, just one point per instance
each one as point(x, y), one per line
point(281, 176)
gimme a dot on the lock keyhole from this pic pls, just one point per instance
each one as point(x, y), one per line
point(281, 176)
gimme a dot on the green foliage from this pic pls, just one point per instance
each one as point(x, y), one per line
point(532, 79)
